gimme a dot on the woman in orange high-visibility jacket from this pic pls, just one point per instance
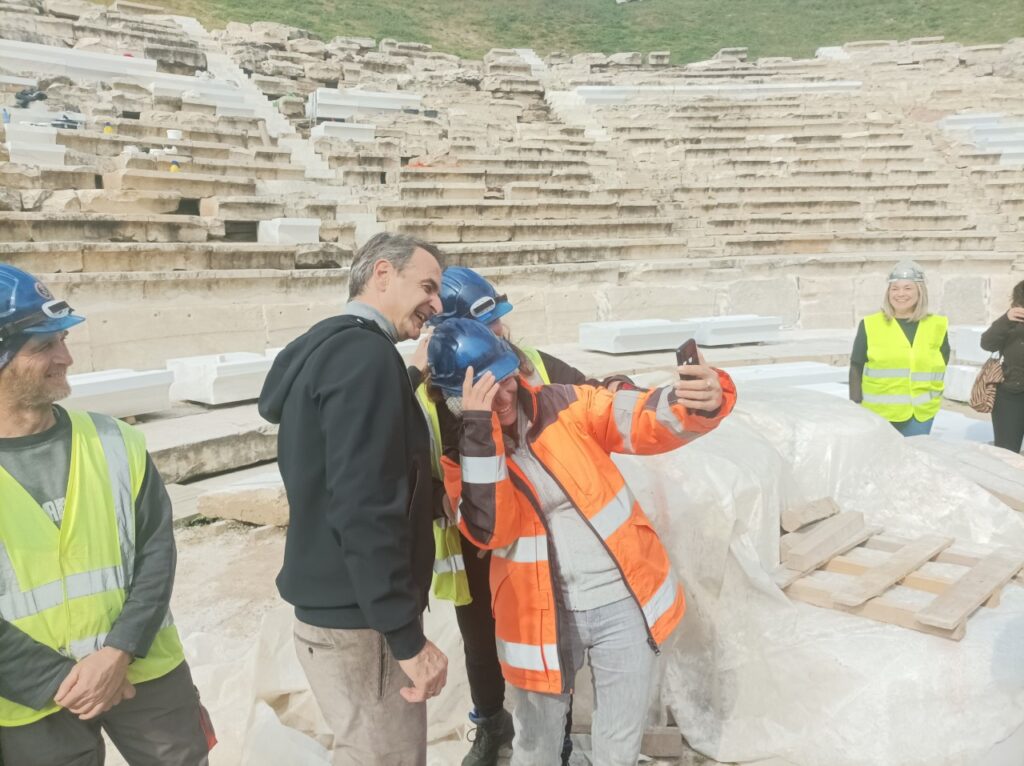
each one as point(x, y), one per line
point(576, 567)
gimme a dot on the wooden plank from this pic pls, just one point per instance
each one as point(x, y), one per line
point(878, 579)
point(827, 539)
point(816, 510)
point(954, 606)
point(878, 609)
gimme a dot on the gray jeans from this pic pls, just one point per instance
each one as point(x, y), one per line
point(158, 727)
point(622, 665)
point(356, 681)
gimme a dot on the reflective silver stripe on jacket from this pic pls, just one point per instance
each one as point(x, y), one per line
point(902, 398)
point(119, 469)
point(616, 512)
point(449, 564)
point(525, 550)
point(483, 470)
point(623, 406)
point(528, 656)
point(662, 600)
point(83, 647)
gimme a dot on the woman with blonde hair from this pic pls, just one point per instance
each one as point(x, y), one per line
point(1006, 336)
point(899, 357)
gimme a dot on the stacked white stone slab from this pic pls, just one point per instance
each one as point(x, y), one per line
point(120, 393)
point(788, 374)
point(346, 131)
point(342, 103)
point(736, 330)
point(621, 94)
point(289, 231)
point(990, 132)
point(29, 144)
point(635, 335)
point(959, 381)
point(965, 344)
point(219, 378)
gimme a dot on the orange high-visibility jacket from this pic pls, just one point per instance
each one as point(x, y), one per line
point(573, 430)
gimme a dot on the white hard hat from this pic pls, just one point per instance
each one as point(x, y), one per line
point(908, 270)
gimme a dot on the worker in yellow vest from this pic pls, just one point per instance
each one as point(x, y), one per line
point(461, 570)
point(899, 357)
point(87, 642)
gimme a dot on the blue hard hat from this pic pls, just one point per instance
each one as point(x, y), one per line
point(467, 295)
point(28, 307)
point(462, 343)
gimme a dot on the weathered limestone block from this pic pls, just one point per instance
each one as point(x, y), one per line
point(66, 9)
point(176, 59)
point(325, 71)
point(826, 302)
point(739, 54)
point(779, 296)
point(659, 58)
point(292, 107)
point(277, 68)
point(308, 46)
point(965, 299)
point(258, 499)
point(10, 200)
point(590, 59)
point(631, 58)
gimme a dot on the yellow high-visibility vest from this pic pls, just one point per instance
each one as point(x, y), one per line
point(65, 587)
point(904, 380)
point(450, 582)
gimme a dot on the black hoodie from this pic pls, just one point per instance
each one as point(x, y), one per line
point(354, 453)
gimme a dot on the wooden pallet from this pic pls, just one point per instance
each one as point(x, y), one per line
point(869, 588)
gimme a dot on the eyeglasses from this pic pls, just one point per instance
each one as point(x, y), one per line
point(486, 305)
point(49, 310)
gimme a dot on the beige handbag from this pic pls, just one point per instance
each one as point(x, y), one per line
point(983, 392)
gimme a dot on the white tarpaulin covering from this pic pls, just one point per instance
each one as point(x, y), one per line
point(750, 675)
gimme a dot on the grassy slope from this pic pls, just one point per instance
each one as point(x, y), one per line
point(691, 29)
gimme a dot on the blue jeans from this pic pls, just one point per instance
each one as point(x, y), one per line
point(914, 427)
point(622, 666)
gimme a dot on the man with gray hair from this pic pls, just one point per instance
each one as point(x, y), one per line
point(354, 453)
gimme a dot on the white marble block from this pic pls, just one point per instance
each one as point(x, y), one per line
point(737, 330)
point(789, 374)
point(965, 344)
point(120, 393)
point(959, 381)
point(346, 131)
point(289, 231)
point(35, 154)
point(219, 378)
point(635, 335)
point(342, 103)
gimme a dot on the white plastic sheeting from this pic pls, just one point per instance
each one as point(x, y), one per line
point(752, 675)
point(749, 674)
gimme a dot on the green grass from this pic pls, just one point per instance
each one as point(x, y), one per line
point(691, 29)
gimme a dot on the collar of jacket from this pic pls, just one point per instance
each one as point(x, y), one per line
point(362, 310)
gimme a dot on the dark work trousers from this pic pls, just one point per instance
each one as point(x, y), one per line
point(476, 623)
point(160, 726)
point(1008, 419)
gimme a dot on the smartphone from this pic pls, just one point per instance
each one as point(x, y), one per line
point(687, 354)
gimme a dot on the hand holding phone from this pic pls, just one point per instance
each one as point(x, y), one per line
point(687, 354)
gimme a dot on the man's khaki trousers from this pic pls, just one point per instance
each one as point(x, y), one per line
point(356, 682)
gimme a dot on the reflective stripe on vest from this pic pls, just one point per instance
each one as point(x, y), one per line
point(903, 380)
point(64, 587)
point(528, 656)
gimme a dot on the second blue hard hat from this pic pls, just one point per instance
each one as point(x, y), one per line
point(467, 295)
point(459, 344)
point(28, 307)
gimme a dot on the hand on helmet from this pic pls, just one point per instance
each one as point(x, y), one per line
point(478, 396)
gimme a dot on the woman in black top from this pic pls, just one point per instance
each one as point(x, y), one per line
point(1006, 335)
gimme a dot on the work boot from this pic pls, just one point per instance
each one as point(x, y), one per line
point(491, 734)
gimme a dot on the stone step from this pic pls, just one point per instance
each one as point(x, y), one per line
point(264, 207)
point(91, 257)
point(818, 164)
point(903, 242)
point(488, 162)
point(102, 145)
point(445, 231)
point(812, 175)
point(208, 167)
point(191, 185)
point(15, 176)
point(70, 227)
point(217, 132)
point(377, 163)
point(766, 223)
point(190, 442)
point(107, 201)
point(492, 177)
point(523, 210)
point(723, 189)
point(517, 254)
point(849, 149)
point(820, 205)
point(414, 190)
